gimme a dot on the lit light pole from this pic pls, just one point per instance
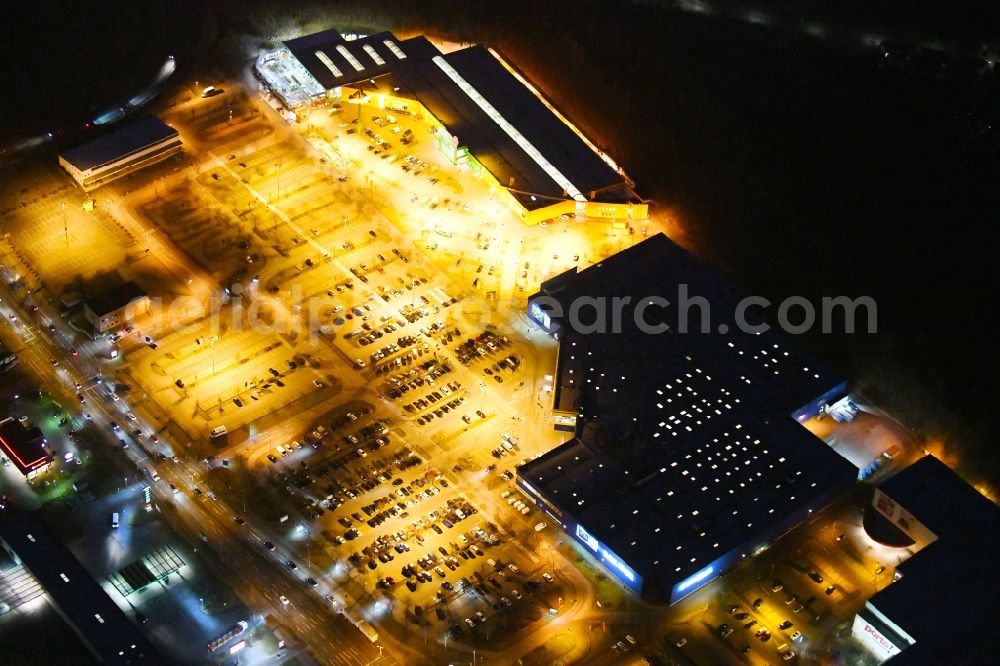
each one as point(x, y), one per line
point(358, 98)
point(65, 225)
point(211, 343)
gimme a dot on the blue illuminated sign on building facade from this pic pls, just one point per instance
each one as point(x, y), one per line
point(584, 537)
point(607, 557)
point(695, 579)
point(610, 558)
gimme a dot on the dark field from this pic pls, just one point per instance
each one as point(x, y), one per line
point(796, 164)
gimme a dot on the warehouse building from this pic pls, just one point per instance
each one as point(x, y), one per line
point(121, 152)
point(687, 453)
point(934, 611)
point(105, 630)
point(483, 116)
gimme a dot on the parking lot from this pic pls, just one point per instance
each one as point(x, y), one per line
point(346, 307)
point(383, 523)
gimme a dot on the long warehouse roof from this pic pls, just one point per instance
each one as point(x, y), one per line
point(505, 126)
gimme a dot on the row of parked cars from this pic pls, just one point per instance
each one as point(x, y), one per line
point(485, 343)
point(412, 379)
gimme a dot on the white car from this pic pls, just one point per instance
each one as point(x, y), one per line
point(114, 396)
point(284, 600)
point(541, 526)
point(131, 416)
point(797, 636)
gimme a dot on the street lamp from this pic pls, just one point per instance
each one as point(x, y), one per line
point(211, 342)
point(65, 225)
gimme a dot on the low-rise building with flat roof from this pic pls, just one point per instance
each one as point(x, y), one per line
point(115, 307)
point(24, 446)
point(941, 606)
point(121, 152)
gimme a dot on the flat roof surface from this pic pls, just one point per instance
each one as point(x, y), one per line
point(119, 143)
point(115, 298)
point(499, 153)
point(418, 76)
point(940, 599)
point(23, 445)
point(493, 147)
point(306, 50)
point(77, 595)
point(690, 448)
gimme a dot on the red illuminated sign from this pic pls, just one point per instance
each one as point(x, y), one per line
point(885, 505)
point(879, 638)
point(13, 454)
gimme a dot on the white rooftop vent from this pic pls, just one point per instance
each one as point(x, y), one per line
point(349, 57)
point(396, 51)
point(374, 55)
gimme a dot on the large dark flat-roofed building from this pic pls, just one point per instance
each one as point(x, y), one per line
point(484, 116)
point(687, 454)
point(24, 446)
point(121, 152)
point(100, 623)
point(116, 307)
point(942, 605)
point(509, 131)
